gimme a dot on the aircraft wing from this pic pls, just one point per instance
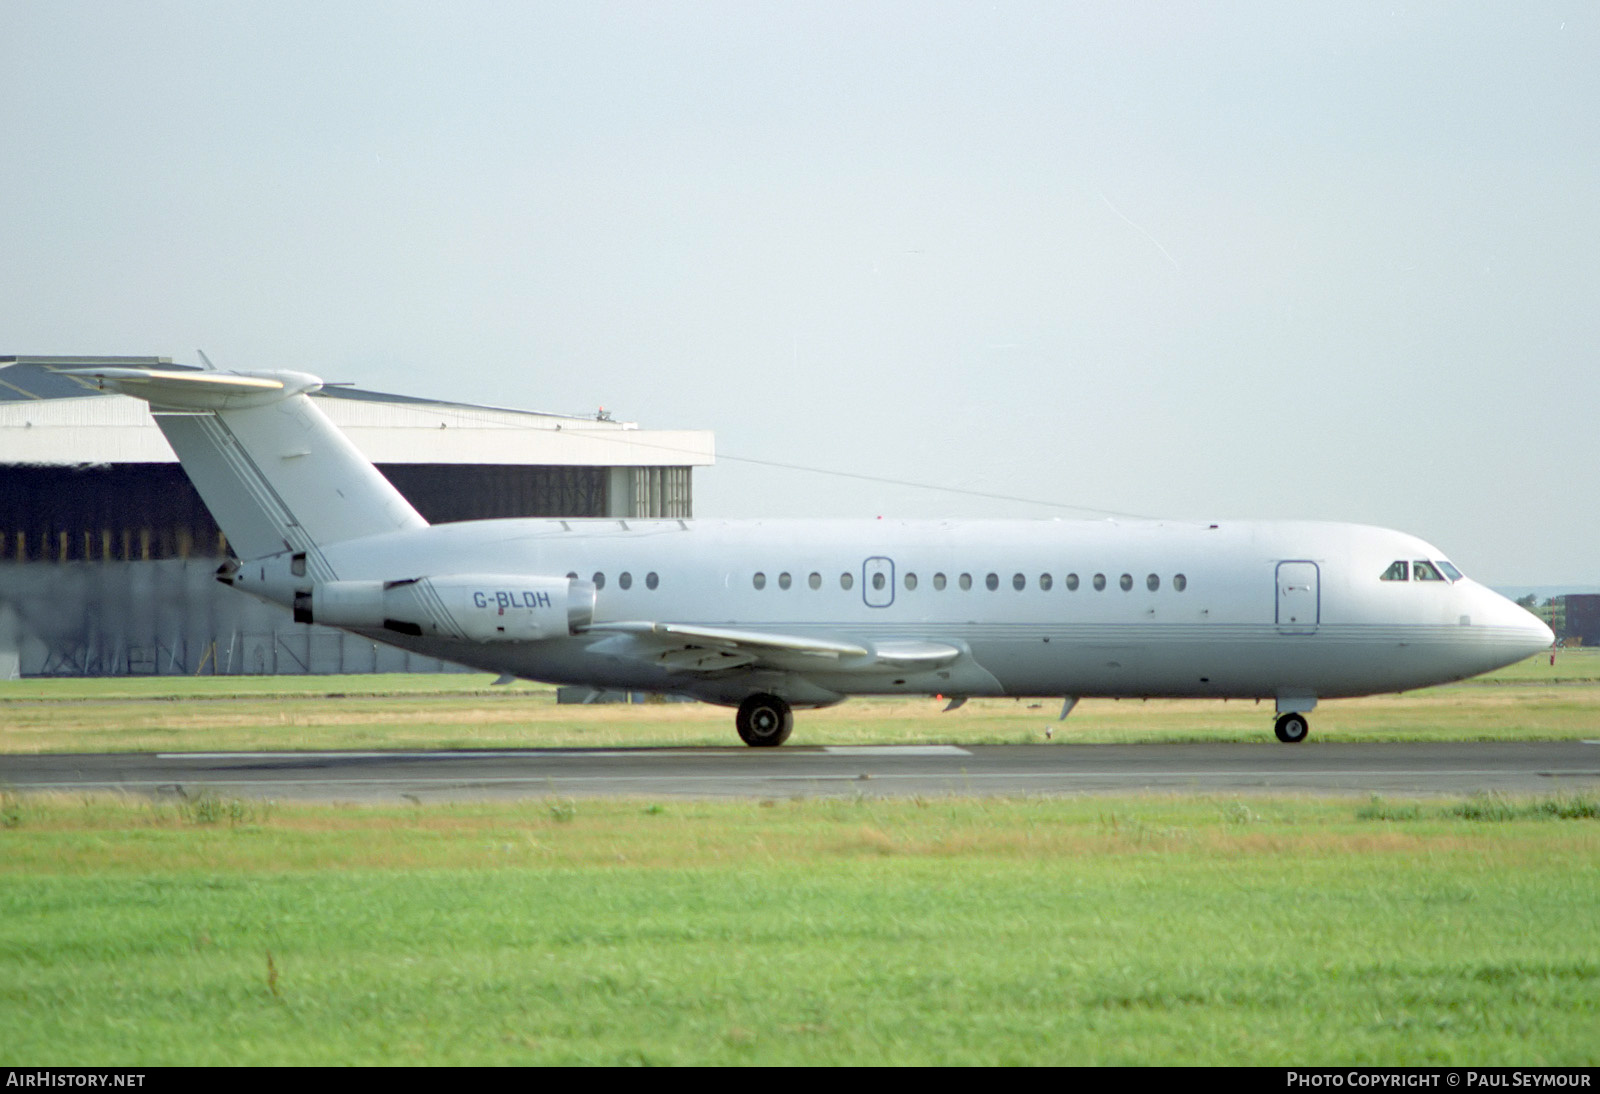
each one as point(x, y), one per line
point(691, 647)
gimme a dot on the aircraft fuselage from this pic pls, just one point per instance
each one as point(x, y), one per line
point(770, 615)
point(1292, 611)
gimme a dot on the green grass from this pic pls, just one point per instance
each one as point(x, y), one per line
point(996, 931)
point(1532, 700)
point(1135, 930)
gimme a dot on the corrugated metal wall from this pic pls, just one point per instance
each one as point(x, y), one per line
point(149, 511)
point(109, 570)
point(167, 618)
point(451, 492)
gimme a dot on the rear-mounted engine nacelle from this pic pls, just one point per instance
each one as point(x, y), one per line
point(471, 607)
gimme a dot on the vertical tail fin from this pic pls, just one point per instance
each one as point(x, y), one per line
point(274, 471)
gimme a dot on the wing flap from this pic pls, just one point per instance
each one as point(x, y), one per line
point(737, 638)
point(915, 655)
point(689, 647)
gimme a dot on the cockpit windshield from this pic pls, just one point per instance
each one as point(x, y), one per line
point(1420, 570)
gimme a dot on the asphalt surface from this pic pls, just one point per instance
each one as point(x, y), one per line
point(1539, 767)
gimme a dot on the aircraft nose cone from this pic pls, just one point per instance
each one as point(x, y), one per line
point(1518, 632)
point(1538, 635)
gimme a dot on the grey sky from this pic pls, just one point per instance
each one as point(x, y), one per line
point(1272, 260)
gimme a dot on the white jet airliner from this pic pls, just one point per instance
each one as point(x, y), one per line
point(769, 615)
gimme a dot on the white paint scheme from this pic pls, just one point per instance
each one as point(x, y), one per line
point(1290, 611)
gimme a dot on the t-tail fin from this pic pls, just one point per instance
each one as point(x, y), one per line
point(274, 471)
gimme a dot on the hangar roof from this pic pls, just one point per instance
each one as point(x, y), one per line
point(48, 418)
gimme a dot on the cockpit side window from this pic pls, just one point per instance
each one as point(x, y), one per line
point(1425, 571)
point(1450, 571)
point(1395, 572)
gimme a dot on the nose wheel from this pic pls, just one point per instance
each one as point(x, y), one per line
point(764, 721)
point(1292, 728)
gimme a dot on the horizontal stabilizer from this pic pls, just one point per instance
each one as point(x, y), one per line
point(275, 472)
point(197, 390)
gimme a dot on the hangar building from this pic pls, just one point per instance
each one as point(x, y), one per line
point(107, 554)
point(1582, 619)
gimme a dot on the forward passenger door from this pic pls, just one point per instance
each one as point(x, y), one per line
point(1299, 597)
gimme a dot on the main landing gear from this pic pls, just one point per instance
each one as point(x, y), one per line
point(764, 721)
point(1292, 728)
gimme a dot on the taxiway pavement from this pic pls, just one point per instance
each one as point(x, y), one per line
point(1315, 768)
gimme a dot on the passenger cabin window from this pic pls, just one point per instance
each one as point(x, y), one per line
point(815, 581)
point(625, 579)
point(783, 581)
point(965, 582)
point(651, 580)
point(846, 581)
point(599, 581)
point(759, 581)
point(1044, 583)
point(1425, 571)
point(1019, 582)
point(1072, 583)
point(1395, 572)
point(938, 582)
point(1179, 582)
point(911, 582)
point(1125, 581)
point(992, 582)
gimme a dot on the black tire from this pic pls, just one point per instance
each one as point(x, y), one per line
point(1292, 728)
point(764, 721)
